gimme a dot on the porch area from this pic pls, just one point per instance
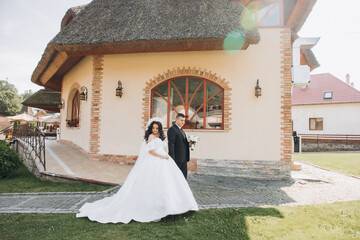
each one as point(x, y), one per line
point(66, 161)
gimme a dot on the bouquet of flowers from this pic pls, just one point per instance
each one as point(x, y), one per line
point(193, 139)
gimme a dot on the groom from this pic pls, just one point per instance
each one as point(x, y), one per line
point(178, 144)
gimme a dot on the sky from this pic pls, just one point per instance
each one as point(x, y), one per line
point(26, 27)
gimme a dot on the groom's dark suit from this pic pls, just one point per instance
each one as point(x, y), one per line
point(178, 148)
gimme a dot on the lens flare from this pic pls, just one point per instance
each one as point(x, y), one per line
point(247, 19)
point(234, 42)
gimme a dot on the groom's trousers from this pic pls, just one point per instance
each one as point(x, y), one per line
point(183, 168)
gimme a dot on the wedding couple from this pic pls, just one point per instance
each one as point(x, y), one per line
point(156, 186)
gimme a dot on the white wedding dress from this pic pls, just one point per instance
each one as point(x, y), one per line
point(154, 188)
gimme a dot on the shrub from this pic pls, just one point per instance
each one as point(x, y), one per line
point(9, 161)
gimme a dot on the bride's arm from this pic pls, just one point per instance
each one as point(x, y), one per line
point(153, 152)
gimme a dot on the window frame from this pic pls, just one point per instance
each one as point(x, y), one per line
point(186, 103)
point(316, 119)
point(331, 93)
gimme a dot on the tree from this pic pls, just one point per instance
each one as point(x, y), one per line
point(27, 94)
point(10, 101)
point(6, 86)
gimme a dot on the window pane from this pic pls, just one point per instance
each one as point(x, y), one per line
point(319, 124)
point(214, 110)
point(312, 124)
point(173, 113)
point(197, 99)
point(176, 92)
point(162, 90)
point(272, 18)
point(159, 108)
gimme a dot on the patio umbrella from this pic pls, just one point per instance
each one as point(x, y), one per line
point(51, 119)
point(22, 118)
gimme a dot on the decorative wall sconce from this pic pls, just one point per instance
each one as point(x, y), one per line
point(257, 89)
point(83, 94)
point(62, 104)
point(119, 90)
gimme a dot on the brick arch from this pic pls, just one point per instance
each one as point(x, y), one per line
point(188, 71)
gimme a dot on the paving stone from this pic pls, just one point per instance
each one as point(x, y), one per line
point(311, 185)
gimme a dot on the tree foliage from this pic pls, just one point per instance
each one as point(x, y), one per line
point(6, 86)
point(10, 101)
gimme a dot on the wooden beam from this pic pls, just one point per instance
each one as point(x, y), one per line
point(53, 67)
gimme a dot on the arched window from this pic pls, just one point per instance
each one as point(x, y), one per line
point(75, 106)
point(73, 110)
point(199, 99)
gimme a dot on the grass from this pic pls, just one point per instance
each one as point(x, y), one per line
point(347, 163)
point(325, 221)
point(24, 181)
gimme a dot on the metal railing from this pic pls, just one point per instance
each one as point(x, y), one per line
point(34, 138)
point(347, 137)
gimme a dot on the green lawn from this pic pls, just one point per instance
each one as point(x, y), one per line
point(24, 181)
point(325, 221)
point(348, 163)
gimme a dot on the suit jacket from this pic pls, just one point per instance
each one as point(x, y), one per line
point(178, 145)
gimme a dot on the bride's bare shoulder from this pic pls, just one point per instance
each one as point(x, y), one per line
point(151, 137)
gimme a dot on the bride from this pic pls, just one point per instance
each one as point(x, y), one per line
point(154, 188)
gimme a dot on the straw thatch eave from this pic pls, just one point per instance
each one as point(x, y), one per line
point(45, 99)
point(300, 14)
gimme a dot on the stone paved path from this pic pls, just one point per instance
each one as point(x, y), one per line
point(311, 185)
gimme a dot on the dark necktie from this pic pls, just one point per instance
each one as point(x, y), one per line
point(183, 133)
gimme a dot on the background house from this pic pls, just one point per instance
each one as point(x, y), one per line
point(326, 113)
point(202, 58)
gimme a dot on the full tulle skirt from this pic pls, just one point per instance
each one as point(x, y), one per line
point(154, 189)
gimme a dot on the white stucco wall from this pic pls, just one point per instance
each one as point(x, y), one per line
point(255, 124)
point(337, 118)
point(81, 74)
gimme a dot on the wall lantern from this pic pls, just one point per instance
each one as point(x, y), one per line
point(62, 104)
point(83, 94)
point(257, 89)
point(119, 90)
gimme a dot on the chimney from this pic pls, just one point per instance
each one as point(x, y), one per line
point(352, 84)
point(348, 79)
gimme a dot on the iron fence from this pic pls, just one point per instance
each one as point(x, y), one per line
point(34, 138)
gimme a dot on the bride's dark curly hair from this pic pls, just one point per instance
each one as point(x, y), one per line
point(149, 131)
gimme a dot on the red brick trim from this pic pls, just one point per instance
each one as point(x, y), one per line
point(286, 128)
point(192, 165)
point(96, 100)
point(121, 159)
point(203, 73)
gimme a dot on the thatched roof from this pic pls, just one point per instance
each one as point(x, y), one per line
point(126, 21)
point(71, 14)
point(122, 26)
point(300, 14)
point(44, 99)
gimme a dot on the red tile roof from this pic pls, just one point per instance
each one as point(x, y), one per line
point(321, 83)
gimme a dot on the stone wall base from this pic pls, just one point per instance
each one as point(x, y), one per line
point(26, 156)
point(326, 145)
point(267, 170)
